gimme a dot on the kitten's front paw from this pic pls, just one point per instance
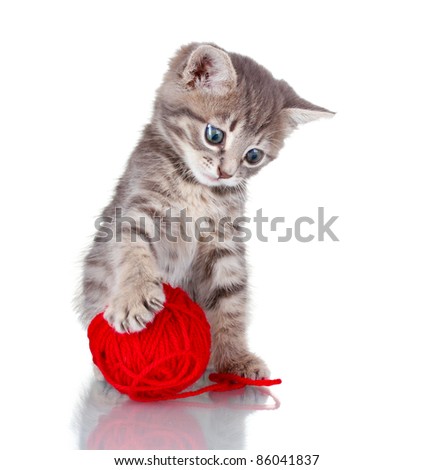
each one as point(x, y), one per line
point(131, 309)
point(248, 365)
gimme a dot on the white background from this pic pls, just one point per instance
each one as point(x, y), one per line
point(347, 325)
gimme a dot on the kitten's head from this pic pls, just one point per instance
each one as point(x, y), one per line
point(227, 115)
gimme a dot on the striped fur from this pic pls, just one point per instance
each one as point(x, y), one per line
point(174, 168)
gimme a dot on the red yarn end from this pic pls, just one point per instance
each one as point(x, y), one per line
point(232, 379)
point(222, 383)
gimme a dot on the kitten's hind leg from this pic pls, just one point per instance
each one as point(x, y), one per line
point(221, 282)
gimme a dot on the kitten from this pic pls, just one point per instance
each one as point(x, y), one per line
point(218, 119)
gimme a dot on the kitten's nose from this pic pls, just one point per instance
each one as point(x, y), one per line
point(223, 175)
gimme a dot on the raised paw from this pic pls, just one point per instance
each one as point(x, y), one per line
point(132, 309)
point(247, 365)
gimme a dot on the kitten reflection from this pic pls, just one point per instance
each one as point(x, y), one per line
point(108, 420)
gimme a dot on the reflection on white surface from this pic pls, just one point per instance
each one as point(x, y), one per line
point(105, 419)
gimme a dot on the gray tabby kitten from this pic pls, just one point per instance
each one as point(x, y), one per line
point(218, 119)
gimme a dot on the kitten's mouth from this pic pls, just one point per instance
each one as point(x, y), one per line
point(216, 181)
point(207, 179)
point(211, 179)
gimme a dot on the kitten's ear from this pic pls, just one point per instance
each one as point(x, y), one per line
point(300, 111)
point(209, 69)
point(303, 115)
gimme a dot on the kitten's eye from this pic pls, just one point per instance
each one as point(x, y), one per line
point(214, 135)
point(254, 156)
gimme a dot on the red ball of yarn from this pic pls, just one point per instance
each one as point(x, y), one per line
point(157, 363)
